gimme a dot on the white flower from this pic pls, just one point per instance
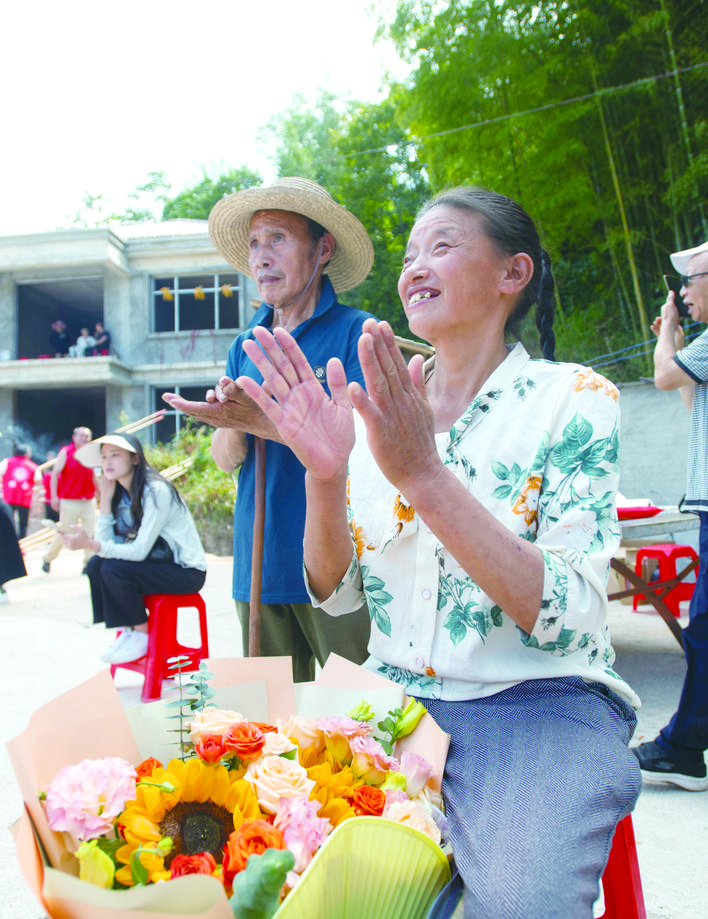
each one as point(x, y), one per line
point(417, 814)
point(212, 721)
point(274, 778)
point(276, 744)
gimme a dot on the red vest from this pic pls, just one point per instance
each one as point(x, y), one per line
point(18, 481)
point(75, 480)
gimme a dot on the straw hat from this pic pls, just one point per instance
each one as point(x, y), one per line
point(90, 454)
point(680, 260)
point(230, 221)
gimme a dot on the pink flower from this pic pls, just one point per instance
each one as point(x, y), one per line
point(85, 799)
point(338, 733)
point(370, 761)
point(417, 772)
point(303, 831)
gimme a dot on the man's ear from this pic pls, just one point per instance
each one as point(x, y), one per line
point(518, 273)
point(328, 244)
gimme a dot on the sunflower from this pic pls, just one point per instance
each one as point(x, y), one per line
point(208, 803)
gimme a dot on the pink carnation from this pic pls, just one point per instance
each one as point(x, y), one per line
point(338, 732)
point(85, 799)
point(303, 831)
point(370, 761)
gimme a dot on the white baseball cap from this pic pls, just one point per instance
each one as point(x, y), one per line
point(680, 260)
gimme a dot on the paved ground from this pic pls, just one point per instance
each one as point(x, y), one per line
point(49, 646)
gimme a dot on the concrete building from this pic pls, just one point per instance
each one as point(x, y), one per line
point(170, 302)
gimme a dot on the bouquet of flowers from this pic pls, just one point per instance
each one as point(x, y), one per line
point(292, 815)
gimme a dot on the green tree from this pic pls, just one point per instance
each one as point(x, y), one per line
point(557, 104)
point(360, 154)
point(196, 202)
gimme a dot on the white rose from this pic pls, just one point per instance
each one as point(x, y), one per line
point(274, 778)
point(212, 721)
point(305, 732)
point(416, 814)
point(276, 744)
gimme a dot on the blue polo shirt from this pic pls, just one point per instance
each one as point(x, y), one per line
point(333, 330)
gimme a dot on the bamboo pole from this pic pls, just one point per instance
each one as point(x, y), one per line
point(254, 608)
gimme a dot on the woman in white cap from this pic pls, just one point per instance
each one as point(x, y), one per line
point(145, 543)
point(471, 500)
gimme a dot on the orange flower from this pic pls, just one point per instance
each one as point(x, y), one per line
point(211, 748)
point(226, 290)
point(402, 511)
point(146, 767)
point(266, 728)
point(245, 740)
point(203, 863)
point(199, 293)
point(522, 506)
point(167, 293)
point(369, 800)
point(588, 379)
point(252, 838)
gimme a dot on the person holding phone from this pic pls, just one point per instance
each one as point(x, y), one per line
point(676, 755)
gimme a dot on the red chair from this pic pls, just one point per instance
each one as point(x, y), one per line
point(162, 641)
point(666, 554)
point(621, 882)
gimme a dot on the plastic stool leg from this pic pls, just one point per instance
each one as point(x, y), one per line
point(621, 882)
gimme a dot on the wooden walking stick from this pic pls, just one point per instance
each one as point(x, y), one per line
point(254, 609)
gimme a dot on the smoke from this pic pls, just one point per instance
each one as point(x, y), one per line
point(15, 434)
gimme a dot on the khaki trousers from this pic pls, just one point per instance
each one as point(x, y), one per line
point(72, 512)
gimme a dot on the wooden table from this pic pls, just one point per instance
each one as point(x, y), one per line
point(665, 524)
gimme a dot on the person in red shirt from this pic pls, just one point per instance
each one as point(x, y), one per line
point(17, 486)
point(73, 487)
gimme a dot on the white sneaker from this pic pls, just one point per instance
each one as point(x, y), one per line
point(119, 639)
point(132, 648)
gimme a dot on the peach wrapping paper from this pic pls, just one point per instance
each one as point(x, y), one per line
point(89, 722)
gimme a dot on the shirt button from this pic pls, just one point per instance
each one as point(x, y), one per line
point(419, 661)
point(425, 594)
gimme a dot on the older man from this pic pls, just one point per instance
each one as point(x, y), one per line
point(676, 756)
point(302, 249)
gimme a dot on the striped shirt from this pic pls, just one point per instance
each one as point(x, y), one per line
point(693, 359)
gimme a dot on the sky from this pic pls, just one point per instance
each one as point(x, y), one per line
point(97, 95)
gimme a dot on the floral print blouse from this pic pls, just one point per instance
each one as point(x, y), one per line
point(539, 447)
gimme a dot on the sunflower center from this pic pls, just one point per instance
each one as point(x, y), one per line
point(197, 827)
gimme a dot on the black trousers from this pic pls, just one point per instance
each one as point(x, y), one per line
point(118, 586)
point(22, 514)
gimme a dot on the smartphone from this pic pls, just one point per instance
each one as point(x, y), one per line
point(675, 285)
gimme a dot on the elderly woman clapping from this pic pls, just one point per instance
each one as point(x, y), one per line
point(470, 499)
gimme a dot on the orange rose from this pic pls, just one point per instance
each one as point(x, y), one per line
point(252, 838)
point(266, 728)
point(147, 767)
point(368, 800)
point(211, 748)
point(245, 740)
point(203, 863)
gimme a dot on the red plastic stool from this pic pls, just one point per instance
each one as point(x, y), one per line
point(621, 882)
point(666, 554)
point(162, 641)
